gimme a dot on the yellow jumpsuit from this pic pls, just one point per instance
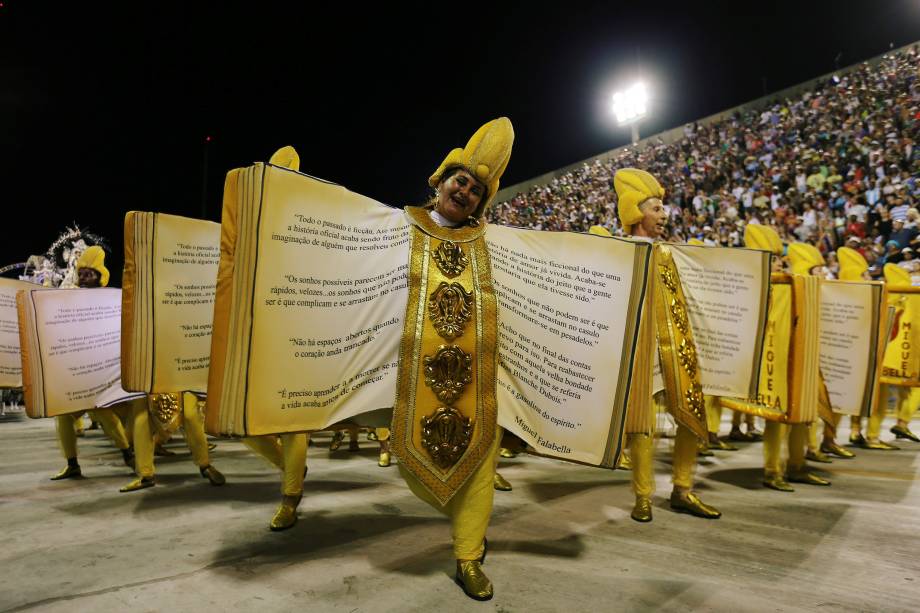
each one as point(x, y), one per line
point(143, 435)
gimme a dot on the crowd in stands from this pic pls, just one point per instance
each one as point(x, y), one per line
point(837, 165)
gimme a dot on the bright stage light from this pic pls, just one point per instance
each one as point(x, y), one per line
point(631, 105)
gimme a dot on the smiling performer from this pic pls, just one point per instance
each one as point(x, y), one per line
point(643, 216)
point(445, 430)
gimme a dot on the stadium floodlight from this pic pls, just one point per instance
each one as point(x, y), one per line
point(630, 106)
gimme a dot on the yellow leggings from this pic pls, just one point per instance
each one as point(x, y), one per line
point(907, 400)
point(470, 508)
point(684, 461)
point(713, 413)
point(288, 452)
point(143, 435)
point(774, 433)
point(818, 425)
point(111, 425)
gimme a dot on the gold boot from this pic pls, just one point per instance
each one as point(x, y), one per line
point(880, 445)
point(474, 582)
point(138, 484)
point(286, 515)
point(776, 482)
point(904, 432)
point(719, 445)
point(71, 471)
point(500, 483)
point(702, 450)
point(506, 453)
point(212, 474)
point(384, 460)
point(691, 503)
point(625, 463)
point(803, 476)
point(858, 440)
point(835, 449)
point(817, 456)
point(642, 511)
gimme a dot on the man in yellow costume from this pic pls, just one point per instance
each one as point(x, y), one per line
point(91, 272)
point(776, 383)
point(168, 415)
point(643, 216)
point(805, 259)
point(444, 430)
point(900, 367)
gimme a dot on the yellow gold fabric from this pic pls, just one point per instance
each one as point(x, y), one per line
point(901, 362)
point(288, 453)
point(111, 425)
point(286, 157)
point(641, 452)
point(684, 461)
point(485, 156)
point(143, 440)
point(470, 508)
point(713, 413)
point(633, 187)
point(193, 428)
point(696, 241)
point(466, 410)
point(640, 410)
point(907, 409)
point(852, 264)
point(765, 238)
point(676, 348)
point(803, 257)
point(773, 435)
point(94, 258)
point(798, 443)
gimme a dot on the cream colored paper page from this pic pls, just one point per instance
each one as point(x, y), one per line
point(847, 342)
point(186, 255)
point(78, 333)
point(329, 304)
point(10, 358)
point(567, 321)
point(727, 295)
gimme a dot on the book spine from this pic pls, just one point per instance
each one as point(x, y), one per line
point(33, 401)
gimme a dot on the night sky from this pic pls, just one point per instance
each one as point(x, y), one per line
point(106, 107)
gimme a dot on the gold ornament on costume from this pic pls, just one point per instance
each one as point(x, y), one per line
point(445, 435)
point(668, 278)
point(679, 314)
point(164, 408)
point(450, 258)
point(448, 372)
point(450, 309)
point(694, 398)
point(686, 353)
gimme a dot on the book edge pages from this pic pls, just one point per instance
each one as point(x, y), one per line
point(23, 303)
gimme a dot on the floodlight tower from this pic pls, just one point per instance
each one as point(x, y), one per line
point(630, 107)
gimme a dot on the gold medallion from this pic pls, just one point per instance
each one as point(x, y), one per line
point(450, 258)
point(164, 408)
point(445, 435)
point(450, 308)
point(448, 372)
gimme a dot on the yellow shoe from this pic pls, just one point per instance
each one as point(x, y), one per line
point(337, 437)
point(702, 450)
point(138, 484)
point(720, 445)
point(474, 582)
point(817, 456)
point(837, 450)
point(880, 445)
point(506, 453)
point(807, 478)
point(642, 511)
point(776, 482)
point(500, 483)
point(858, 440)
point(69, 472)
point(384, 459)
point(625, 463)
point(691, 503)
point(286, 515)
point(904, 432)
point(212, 474)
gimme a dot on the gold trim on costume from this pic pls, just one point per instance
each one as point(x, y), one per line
point(449, 308)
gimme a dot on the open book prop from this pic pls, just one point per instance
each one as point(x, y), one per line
point(817, 327)
point(326, 300)
point(10, 358)
point(71, 340)
point(169, 281)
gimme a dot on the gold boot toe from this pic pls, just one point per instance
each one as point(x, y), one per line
point(691, 503)
point(286, 515)
point(213, 475)
point(500, 483)
point(904, 432)
point(807, 478)
point(384, 460)
point(474, 582)
point(837, 450)
point(642, 511)
point(818, 456)
point(69, 472)
point(776, 482)
point(138, 484)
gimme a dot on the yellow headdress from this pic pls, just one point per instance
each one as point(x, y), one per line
point(696, 241)
point(94, 259)
point(896, 276)
point(485, 157)
point(633, 187)
point(804, 257)
point(286, 157)
point(852, 264)
point(759, 236)
point(599, 231)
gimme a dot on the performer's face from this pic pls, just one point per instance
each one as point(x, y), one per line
point(87, 277)
point(654, 218)
point(777, 264)
point(458, 196)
